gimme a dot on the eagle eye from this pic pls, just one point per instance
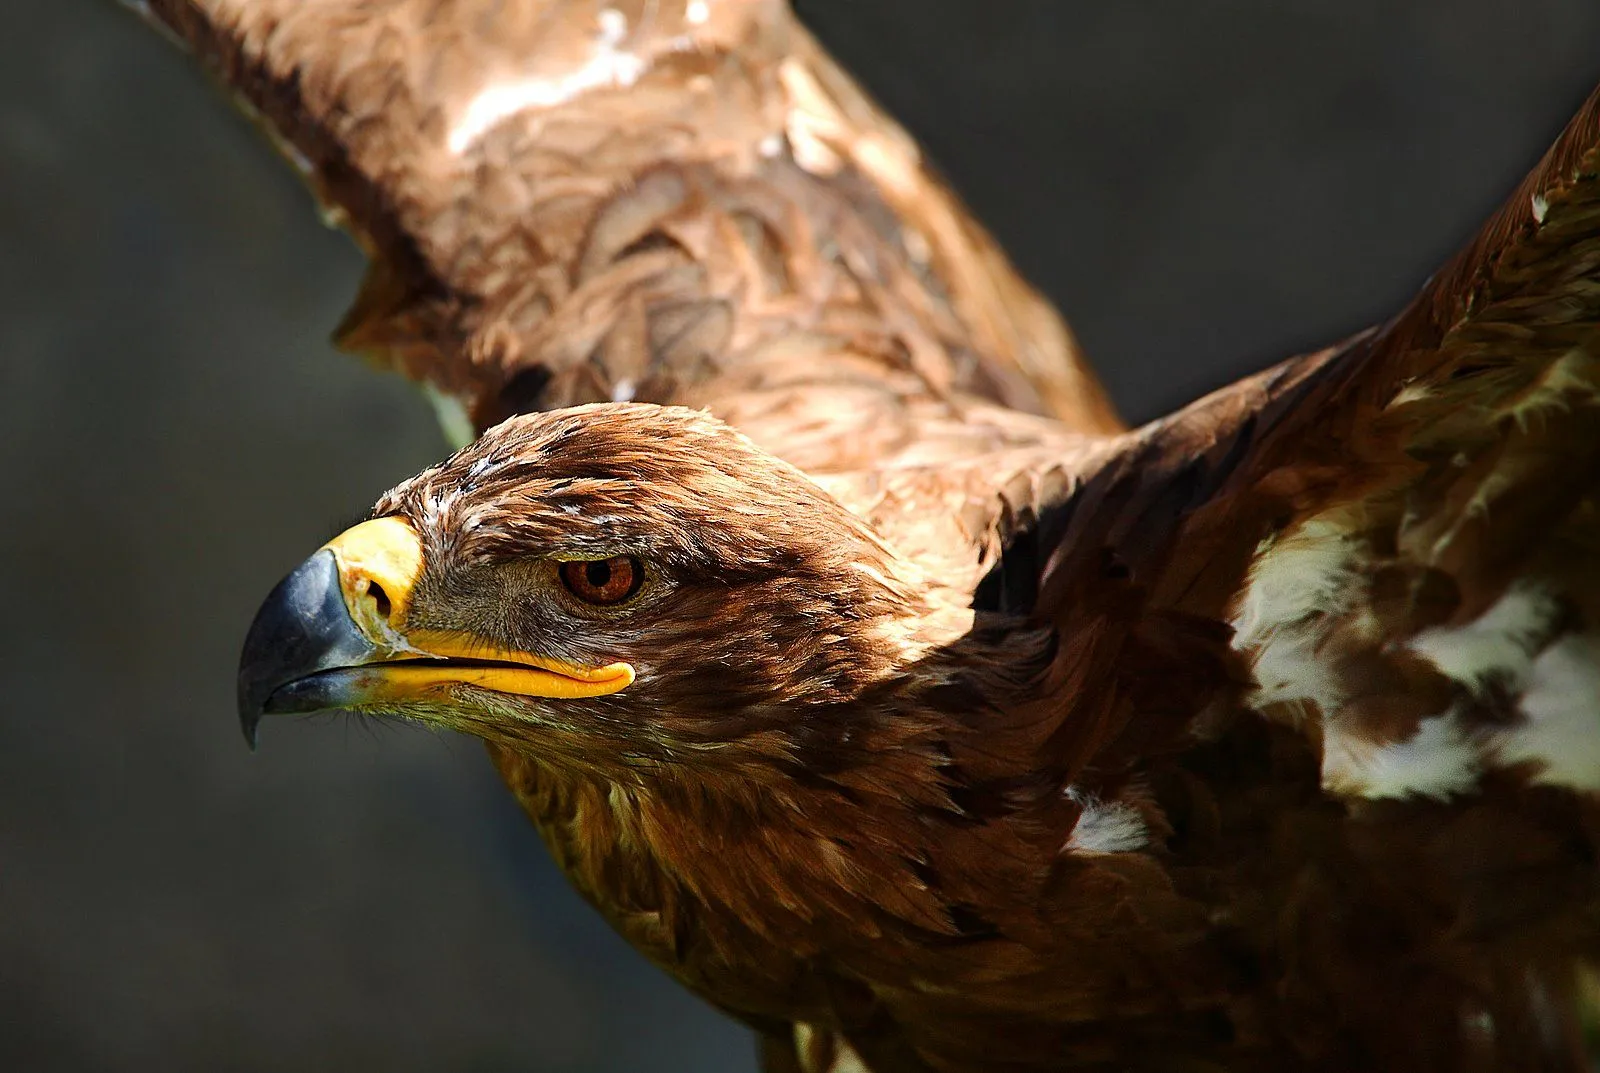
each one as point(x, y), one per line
point(603, 582)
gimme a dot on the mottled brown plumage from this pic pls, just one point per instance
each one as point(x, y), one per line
point(570, 201)
point(963, 738)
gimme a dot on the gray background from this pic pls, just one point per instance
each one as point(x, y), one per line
point(1204, 187)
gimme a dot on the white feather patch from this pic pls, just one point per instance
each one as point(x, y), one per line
point(1439, 761)
point(1498, 645)
point(1294, 581)
point(1294, 577)
point(1562, 707)
point(1106, 827)
point(1289, 670)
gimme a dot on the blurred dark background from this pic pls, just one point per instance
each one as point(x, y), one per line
point(1203, 188)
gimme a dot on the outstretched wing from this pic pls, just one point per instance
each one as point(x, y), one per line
point(568, 201)
point(1403, 532)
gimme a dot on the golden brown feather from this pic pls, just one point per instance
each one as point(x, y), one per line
point(571, 201)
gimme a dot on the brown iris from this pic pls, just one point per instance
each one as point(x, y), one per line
point(603, 582)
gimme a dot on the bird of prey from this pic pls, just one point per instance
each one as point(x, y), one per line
point(850, 656)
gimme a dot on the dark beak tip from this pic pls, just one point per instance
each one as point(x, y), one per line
point(251, 707)
point(251, 725)
point(301, 629)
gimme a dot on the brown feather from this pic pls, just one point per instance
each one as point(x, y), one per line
point(571, 201)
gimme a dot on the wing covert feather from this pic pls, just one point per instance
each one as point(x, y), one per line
point(569, 201)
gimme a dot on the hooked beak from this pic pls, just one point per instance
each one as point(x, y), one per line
point(332, 635)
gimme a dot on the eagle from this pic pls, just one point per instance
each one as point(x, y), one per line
point(849, 654)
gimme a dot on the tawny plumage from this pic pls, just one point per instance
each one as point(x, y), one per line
point(850, 657)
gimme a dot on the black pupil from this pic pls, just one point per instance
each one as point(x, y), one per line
point(597, 574)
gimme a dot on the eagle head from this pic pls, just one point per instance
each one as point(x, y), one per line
point(610, 584)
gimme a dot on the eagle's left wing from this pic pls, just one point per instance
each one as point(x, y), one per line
point(1403, 532)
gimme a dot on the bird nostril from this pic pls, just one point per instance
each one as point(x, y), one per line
point(379, 598)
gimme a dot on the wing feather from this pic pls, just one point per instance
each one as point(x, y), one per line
point(568, 201)
point(1400, 530)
